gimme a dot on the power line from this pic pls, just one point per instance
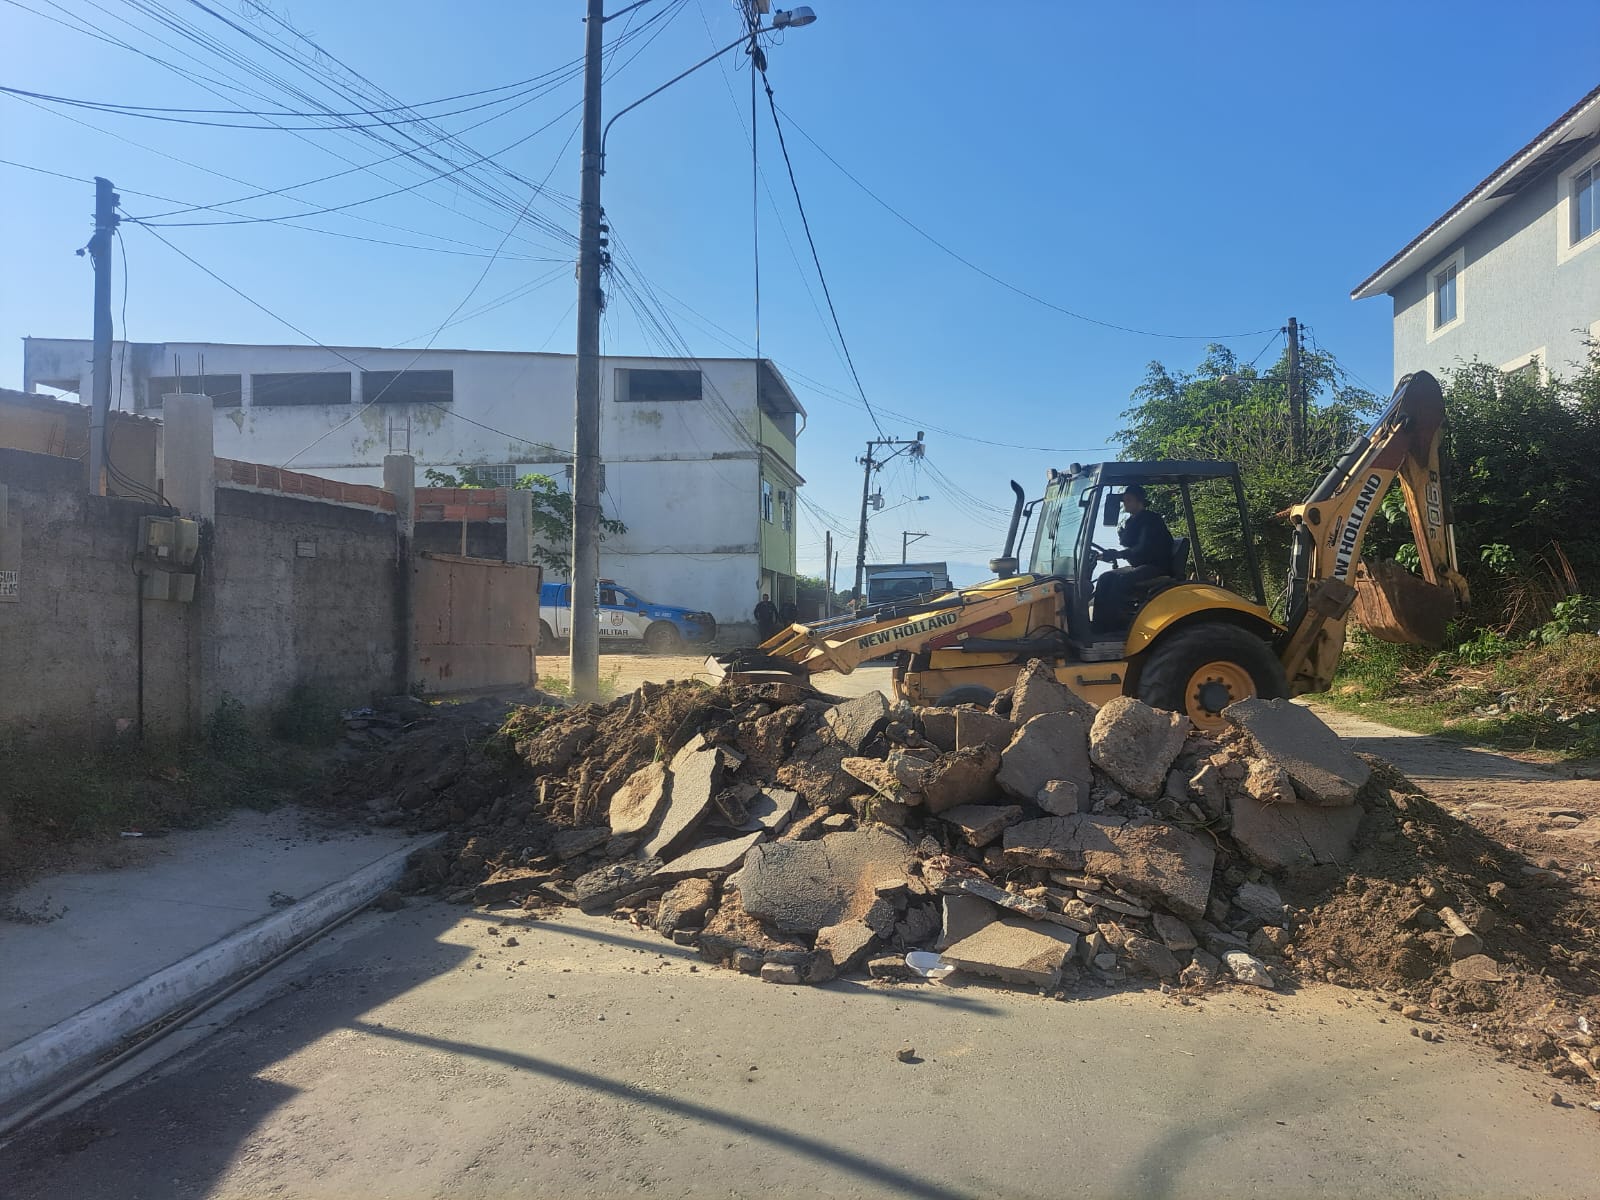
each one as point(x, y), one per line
point(992, 277)
point(810, 241)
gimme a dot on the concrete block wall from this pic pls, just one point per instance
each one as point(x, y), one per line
point(301, 591)
point(69, 640)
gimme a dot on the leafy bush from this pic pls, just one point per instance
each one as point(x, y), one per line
point(1575, 614)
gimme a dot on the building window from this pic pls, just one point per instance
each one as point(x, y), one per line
point(1585, 193)
point(766, 502)
point(502, 476)
point(640, 385)
point(1446, 298)
point(282, 389)
point(1528, 366)
point(408, 387)
point(786, 507)
point(226, 391)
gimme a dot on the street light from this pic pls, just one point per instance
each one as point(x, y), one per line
point(584, 643)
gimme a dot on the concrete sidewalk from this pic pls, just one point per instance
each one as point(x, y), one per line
point(87, 958)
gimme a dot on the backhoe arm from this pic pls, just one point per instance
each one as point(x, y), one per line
point(1405, 445)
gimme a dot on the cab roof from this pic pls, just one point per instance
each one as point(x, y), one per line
point(1163, 471)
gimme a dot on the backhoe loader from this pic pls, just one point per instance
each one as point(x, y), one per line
point(1182, 640)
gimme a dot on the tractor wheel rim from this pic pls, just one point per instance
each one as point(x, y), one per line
point(1212, 688)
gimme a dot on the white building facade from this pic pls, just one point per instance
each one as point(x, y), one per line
point(700, 455)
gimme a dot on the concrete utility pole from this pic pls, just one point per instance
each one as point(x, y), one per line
point(906, 538)
point(870, 464)
point(105, 224)
point(1297, 416)
point(827, 573)
point(584, 644)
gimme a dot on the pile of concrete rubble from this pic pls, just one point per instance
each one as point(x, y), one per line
point(1038, 842)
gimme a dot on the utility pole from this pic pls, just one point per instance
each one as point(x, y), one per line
point(584, 646)
point(105, 223)
point(827, 573)
point(906, 538)
point(870, 464)
point(1297, 416)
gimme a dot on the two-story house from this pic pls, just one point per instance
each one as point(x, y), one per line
point(699, 455)
point(1510, 275)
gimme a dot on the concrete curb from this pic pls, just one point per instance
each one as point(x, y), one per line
point(75, 1043)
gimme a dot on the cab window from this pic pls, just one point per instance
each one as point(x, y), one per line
point(608, 597)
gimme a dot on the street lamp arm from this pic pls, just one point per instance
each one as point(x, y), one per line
point(743, 38)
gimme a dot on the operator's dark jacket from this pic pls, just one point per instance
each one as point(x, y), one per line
point(1146, 541)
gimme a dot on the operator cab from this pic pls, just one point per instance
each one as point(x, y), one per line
point(1079, 517)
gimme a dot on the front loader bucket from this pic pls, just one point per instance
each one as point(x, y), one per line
point(753, 666)
point(1393, 605)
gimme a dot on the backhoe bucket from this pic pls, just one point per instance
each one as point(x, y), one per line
point(752, 666)
point(1393, 605)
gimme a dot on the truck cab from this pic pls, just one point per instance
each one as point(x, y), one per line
point(625, 616)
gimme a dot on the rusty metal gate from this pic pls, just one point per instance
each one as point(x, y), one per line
point(475, 623)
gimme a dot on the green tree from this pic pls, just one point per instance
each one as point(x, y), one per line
point(1225, 411)
point(552, 513)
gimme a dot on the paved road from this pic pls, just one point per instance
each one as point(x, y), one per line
point(422, 1056)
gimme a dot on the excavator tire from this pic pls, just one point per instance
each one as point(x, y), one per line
point(969, 693)
point(1201, 669)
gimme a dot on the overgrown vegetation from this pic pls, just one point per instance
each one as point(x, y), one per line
point(552, 514)
point(57, 793)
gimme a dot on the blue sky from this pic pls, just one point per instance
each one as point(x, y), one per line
point(1173, 168)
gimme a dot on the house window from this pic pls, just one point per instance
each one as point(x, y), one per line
point(285, 388)
point(225, 390)
point(640, 385)
point(1444, 296)
point(408, 387)
point(786, 507)
point(1446, 300)
point(766, 502)
point(1585, 193)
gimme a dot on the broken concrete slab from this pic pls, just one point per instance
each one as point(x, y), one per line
point(1477, 966)
point(1247, 968)
point(963, 915)
point(1015, 950)
point(961, 777)
point(779, 973)
point(1136, 744)
point(911, 769)
point(606, 885)
point(1151, 957)
point(1174, 934)
point(638, 802)
point(847, 944)
point(1161, 864)
point(854, 722)
point(730, 931)
point(972, 885)
point(1321, 766)
point(920, 922)
point(1276, 837)
point(980, 824)
point(570, 843)
point(1269, 783)
point(712, 859)
point(684, 905)
point(1052, 746)
point(939, 727)
point(1062, 799)
point(974, 727)
point(874, 772)
point(1038, 691)
point(509, 883)
point(770, 810)
point(815, 769)
point(696, 778)
point(802, 887)
point(1261, 901)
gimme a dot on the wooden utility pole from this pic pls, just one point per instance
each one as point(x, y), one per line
point(105, 224)
point(584, 644)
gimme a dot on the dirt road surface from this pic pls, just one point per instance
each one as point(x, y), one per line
point(425, 1054)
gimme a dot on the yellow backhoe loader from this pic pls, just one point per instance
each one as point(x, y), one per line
point(1184, 640)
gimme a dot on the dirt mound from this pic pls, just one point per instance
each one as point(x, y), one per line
point(793, 836)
